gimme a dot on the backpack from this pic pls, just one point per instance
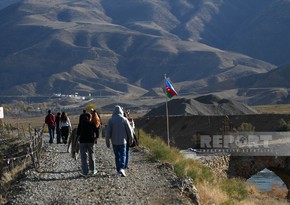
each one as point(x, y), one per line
point(135, 141)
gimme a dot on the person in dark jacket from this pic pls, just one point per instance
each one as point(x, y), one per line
point(86, 130)
point(82, 116)
point(58, 135)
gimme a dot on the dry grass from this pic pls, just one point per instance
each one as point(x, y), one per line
point(274, 109)
point(263, 198)
point(278, 192)
point(211, 194)
point(2, 200)
point(9, 176)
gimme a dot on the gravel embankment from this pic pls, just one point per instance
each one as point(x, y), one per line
point(58, 181)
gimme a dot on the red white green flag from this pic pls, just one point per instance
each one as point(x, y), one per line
point(169, 89)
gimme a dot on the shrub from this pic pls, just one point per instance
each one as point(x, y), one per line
point(235, 188)
point(45, 129)
point(283, 125)
point(182, 167)
point(246, 127)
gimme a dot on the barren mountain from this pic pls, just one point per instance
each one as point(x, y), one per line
point(125, 47)
point(203, 105)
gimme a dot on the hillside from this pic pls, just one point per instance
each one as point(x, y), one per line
point(92, 47)
point(202, 105)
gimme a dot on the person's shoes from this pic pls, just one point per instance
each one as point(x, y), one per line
point(122, 172)
point(117, 174)
point(84, 175)
point(94, 172)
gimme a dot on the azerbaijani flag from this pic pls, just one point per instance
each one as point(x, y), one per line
point(170, 91)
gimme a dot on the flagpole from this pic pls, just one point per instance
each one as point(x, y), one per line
point(167, 119)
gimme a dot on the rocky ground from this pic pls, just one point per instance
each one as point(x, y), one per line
point(58, 181)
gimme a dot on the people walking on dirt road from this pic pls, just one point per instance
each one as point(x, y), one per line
point(65, 126)
point(50, 121)
point(119, 133)
point(86, 132)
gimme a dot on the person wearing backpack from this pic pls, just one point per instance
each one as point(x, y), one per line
point(97, 120)
point(50, 121)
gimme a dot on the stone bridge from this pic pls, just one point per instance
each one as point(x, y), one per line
point(246, 167)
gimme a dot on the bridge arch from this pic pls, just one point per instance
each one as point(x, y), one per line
point(245, 167)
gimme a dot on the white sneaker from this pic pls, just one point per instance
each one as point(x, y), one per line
point(94, 172)
point(122, 172)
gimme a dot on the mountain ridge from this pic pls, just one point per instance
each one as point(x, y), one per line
point(126, 48)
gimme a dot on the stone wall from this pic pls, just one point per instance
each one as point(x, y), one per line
point(184, 129)
point(218, 164)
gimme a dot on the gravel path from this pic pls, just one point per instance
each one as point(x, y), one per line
point(58, 181)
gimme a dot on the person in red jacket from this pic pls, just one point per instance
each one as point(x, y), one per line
point(50, 121)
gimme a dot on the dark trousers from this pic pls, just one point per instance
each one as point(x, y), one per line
point(87, 151)
point(58, 137)
point(51, 133)
point(64, 134)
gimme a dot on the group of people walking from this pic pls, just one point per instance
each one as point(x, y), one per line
point(119, 134)
point(60, 124)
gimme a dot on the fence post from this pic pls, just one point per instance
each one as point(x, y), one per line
point(31, 154)
point(38, 148)
point(29, 130)
point(39, 144)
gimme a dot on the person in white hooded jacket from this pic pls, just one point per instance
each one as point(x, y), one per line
point(119, 133)
point(65, 126)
